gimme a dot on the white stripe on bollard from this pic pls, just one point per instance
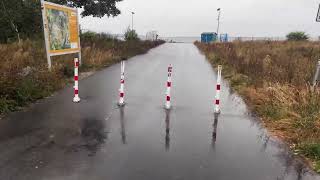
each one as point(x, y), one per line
point(121, 90)
point(168, 93)
point(76, 98)
point(218, 89)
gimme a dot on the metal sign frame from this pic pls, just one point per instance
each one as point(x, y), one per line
point(318, 14)
point(46, 32)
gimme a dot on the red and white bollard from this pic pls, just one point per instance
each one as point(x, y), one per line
point(121, 90)
point(218, 88)
point(168, 93)
point(76, 98)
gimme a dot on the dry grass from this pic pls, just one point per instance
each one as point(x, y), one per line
point(24, 76)
point(273, 78)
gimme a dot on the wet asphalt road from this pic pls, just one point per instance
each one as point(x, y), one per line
point(56, 139)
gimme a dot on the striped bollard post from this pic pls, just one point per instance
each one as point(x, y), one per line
point(218, 88)
point(168, 93)
point(76, 98)
point(121, 90)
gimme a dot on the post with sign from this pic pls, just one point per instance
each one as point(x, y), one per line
point(318, 15)
point(61, 30)
point(317, 72)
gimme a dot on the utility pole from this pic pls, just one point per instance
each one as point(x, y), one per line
point(132, 21)
point(219, 13)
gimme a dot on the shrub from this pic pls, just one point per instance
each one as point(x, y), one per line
point(89, 35)
point(297, 36)
point(131, 35)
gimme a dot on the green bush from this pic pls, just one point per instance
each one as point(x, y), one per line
point(131, 35)
point(7, 105)
point(297, 36)
point(89, 35)
point(106, 37)
point(312, 151)
point(103, 40)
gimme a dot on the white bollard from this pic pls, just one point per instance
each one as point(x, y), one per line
point(168, 93)
point(218, 88)
point(121, 90)
point(76, 98)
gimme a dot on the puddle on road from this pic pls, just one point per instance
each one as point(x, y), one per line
point(93, 134)
point(183, 154)
point(90, 135)
point(294, 168)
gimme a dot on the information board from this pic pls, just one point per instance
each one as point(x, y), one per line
point(61, 29)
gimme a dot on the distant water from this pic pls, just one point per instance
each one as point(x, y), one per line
point(182, 39)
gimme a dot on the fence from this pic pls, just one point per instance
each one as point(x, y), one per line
point(231, 39)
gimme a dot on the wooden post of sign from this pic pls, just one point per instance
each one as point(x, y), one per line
point(46, 35)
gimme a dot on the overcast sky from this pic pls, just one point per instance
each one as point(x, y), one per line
point(191, 17)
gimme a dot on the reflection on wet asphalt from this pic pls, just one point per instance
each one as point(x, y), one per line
point(56, 139)
point(215, 126)
point(93, 134)
point(167, 139)
point(123, 126)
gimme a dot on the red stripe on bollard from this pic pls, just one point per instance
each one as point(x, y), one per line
point(168, 84)
point(76, 91)
point(76, 78)
point(122, 94)
point(168, 98)
point(218, 87)
point(77, 64)
point(122, 81)
point(217, 101)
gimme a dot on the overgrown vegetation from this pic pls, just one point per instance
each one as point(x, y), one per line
point(21, 19)
point(273, 78)
point(24, 76)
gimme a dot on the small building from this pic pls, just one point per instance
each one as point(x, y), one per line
point(208, 37)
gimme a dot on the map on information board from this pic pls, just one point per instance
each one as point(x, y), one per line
point(61, 28)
